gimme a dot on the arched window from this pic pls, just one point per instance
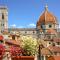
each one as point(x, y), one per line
point(2, 16)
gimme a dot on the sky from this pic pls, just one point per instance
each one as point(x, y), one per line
point(25, 13)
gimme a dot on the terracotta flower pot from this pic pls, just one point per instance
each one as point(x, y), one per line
point(23, 58)
point(27, 58)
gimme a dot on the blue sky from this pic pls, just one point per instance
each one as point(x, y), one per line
point(25, 13)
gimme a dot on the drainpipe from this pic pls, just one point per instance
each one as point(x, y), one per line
point(39, 57)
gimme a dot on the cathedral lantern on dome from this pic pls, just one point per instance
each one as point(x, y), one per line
point(47, 21)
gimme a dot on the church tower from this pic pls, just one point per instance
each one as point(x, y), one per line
point(3, 19)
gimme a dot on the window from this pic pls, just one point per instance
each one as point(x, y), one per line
point(53, 44)
point(13, 37)
point(49, 42)
point(50, 26)
point(41, 26)
point(2, 16)
point(58, 43)
point(25, 32)
point(33, 32)
point(3, 24)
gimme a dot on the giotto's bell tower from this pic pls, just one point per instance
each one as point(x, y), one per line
point(3, 19)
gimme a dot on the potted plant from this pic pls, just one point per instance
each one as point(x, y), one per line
point(29, 44)
point(15, 52)
point(2, 51)
point(27, 51)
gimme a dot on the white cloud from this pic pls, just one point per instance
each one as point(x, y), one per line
point(13, 25)
point(32, 25)
point(20, 27)
point(59, 25)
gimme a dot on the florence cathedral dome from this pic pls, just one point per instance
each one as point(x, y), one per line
point(47, 20)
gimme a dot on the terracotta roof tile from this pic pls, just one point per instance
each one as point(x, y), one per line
point(54, 48)
point(13, 42)
point(56, 40)
point(47, 17)
point(54, 58)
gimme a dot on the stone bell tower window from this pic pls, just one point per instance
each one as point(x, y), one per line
point(2, 16)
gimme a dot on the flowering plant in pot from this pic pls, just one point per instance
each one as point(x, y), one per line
point(29, 44)
point(16, 51)
point(2, 51)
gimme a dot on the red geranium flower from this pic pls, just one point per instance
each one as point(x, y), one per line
point(15, 51)
point(2, 49)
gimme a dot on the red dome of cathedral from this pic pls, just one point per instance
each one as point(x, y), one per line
point(47, 17)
